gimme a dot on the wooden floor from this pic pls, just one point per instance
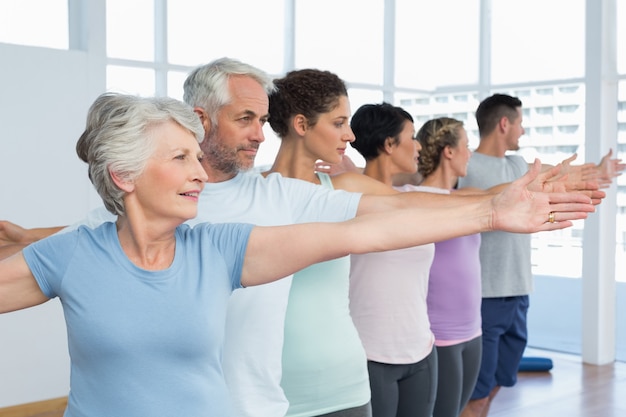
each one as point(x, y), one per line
point(570, 389)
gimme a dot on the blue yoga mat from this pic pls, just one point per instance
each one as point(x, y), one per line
point(535, 364)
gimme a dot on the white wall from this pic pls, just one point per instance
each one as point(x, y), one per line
point(44, 97)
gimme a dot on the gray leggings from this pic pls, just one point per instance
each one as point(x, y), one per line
point(361, 411)
point(458, 371)
point(404, 390)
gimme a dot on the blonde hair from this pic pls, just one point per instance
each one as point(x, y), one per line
point(434, 136)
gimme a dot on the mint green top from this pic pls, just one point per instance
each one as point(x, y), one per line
point(324, 363)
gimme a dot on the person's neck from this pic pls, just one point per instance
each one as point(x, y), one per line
point(440, 178)
point(379, 170)
point(150, 245)
point(216, 175)
point(492, 146)
point(293, 162)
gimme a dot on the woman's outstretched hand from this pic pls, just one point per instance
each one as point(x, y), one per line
point(519, 210)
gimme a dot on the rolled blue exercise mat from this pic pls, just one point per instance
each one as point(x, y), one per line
point(535, 364)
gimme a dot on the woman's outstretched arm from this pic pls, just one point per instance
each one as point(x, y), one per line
point(275, 252)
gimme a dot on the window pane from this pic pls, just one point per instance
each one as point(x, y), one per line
point(328, 38)
point(47, 27)
point(359, 97)
point(620, 262)
point(200, 31)
point(435, 47)
point(621, 36)
point(129, 80)
point(268, 149)
point(544, 40)
point(460, 105)
point(175, 81)
point(620, 250)
point(130, 29)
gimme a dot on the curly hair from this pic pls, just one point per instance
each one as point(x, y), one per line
point(434, 136)
point(309, 92)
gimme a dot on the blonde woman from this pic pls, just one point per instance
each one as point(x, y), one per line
point(454, 289)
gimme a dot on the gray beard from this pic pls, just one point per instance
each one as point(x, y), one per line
point(223, 159)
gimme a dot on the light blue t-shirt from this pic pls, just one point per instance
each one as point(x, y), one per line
point(143, 343)
point(255, 319)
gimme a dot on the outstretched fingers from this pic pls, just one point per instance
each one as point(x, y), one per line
point(568, 206)
point(563, 212)
point(546, 227)
point(517, 209)
point(572, 197)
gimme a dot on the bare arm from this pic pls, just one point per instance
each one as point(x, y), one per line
point(275, 252)
point(14, 238)
point(18, 287)
point(550, 180)
point(11, 233)
point(346, 165)
point(573, 202)
point(10, 249)
point(602, 173)
point(610, 168)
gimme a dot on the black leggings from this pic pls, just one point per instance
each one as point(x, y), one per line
point(404, 390)
point(361, 411)
point(458, 371)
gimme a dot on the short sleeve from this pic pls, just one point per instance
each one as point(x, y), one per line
point(48, 259)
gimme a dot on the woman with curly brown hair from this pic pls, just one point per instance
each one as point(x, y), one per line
point(324, 362)
point(324, 366)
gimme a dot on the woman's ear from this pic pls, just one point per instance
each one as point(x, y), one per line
point(121, 182)
point(389, 145)
point(300, 124)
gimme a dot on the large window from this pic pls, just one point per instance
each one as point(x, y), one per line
point(436, 43)
point(130, 29)
point(537, 40)
point(621, 36)
point(34, 23)
point(252, 31)
point(345, 37)
point(431, 57)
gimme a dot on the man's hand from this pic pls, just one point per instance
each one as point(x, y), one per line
point(609, 168)
point(555, 181)
point(603, 173)
point(519, 210)
point(346, 165)
point(12, 234)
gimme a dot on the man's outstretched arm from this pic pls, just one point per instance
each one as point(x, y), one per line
point(14, 238)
